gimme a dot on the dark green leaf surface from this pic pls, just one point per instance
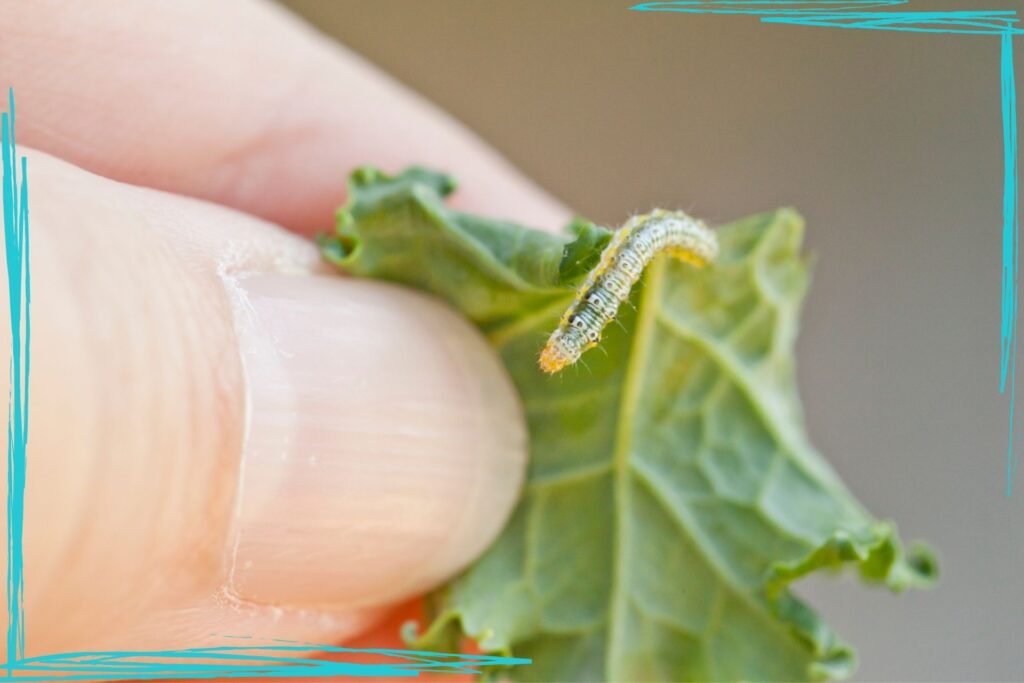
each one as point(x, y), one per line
point(672, 491)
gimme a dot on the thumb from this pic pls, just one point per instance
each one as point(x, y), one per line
point(227, 439)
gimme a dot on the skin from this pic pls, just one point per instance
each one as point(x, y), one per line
point(176, 166)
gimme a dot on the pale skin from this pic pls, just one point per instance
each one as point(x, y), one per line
point(190, 347)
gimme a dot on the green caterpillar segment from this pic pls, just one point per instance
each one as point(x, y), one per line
point(621, 265)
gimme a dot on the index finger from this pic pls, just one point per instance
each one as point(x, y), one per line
point(234, 102)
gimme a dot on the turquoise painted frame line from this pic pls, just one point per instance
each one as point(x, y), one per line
point(275, 659)
point(287, 658)
point(853, 14)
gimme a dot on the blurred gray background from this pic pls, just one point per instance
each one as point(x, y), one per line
point(890, 146)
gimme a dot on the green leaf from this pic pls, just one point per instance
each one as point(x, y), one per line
point(673, 494)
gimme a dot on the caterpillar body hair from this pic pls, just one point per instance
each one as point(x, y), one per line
point(621, 264)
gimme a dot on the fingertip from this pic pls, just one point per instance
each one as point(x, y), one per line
point(226, 440)
point(268, 118)
point(385, 449)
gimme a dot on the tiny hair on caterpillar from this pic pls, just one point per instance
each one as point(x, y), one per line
point(621, 264)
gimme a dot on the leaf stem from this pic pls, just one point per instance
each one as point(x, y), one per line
point(618, 602)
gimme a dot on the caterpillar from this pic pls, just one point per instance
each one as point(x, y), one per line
point(622, 262)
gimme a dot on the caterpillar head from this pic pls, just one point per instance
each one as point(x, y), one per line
point(563, 348)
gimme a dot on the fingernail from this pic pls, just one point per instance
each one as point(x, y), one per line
point(385, 444)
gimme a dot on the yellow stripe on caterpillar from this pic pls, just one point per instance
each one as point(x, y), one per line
point(621, 264)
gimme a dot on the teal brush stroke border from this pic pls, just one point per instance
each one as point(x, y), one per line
point(851, 14)
point(277, 661)
point(290, 660)
point(15, 197)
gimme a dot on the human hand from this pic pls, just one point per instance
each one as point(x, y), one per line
point(226, 437)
